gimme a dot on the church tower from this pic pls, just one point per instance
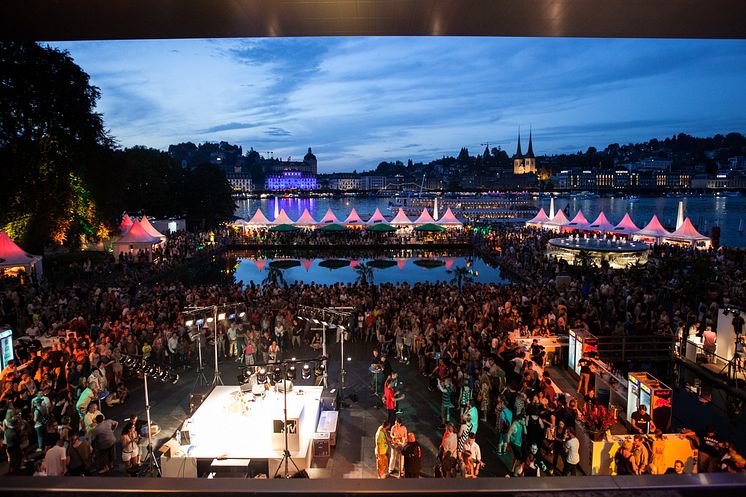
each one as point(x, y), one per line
point(518, 157)
point(524, 164)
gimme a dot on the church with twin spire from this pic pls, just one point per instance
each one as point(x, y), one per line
point(524, 164)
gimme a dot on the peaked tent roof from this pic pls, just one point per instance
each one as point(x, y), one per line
point(579, 221)
point(540, 218)
point(449, 219)
point(306, 219)
point(329, 218)
point(260, 263)
point(11, 254)
point(626, 225)
point(353, 218)
point(150, 230)
point(425, 218)
point(259, 219)
point(559, 219)
point(126, 223)
point(306, 263)
point(138, 234)
point(654, 229)
point(377, 217)
point(400, 219)
point(688, 232)
point(282, 218)
point(601, 223)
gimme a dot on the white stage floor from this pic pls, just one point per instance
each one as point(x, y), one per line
point(226, 427)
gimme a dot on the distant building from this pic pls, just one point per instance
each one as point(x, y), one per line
point(240, 181)
point(308, 165)
point(291, 180)
point(372, 182)
point(524, 164)
point(345, 182)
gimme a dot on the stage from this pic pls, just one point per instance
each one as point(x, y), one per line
point(230, 426)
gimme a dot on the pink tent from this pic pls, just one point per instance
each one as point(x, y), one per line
point(150, 230)
point(539, 219)
point(601, 224)
point(653, 230)
point(626, 226)
point(449, 219)
point(449, 262)
point(306, 219)
point(687, 233)
point(400, 219)
point(138, 234)
point(306, 263)
point(260, 263)
point(353, 218)
point(259, 219)
point(579, 222)
point(425, 218)
point(400, 263)
point(329, 218)
point(126, 223)
point(558, 221)
point(282, 218)
point(377, 218)
point(354, 263)
point(11, 254)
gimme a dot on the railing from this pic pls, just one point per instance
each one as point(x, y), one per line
point(644, 348)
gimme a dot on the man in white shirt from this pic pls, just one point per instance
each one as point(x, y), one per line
point(572, 451)
point(56, 459)
point(476, 453)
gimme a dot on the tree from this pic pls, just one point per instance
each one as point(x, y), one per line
point(460, 276)
point(208, 197)
point(275, 276)
point(50, 140)
point(364, 274)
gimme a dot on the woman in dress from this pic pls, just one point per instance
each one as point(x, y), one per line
point(658, 462)
point(131, 448)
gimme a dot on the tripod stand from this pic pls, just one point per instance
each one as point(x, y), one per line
point(286, 459)
point(150, 463)
point(200, 380)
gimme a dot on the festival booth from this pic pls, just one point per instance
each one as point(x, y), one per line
point(126, 224)
point(377, 218)
point(449, 220)
point(578, 223)
point(557, 222)
point(597, 457)
point(538, 220)
point(134, 240)
point(601, 224)
point(688, 235)
point(14, 261)
point(625, 227)
point(400, 219)
point(645, 389)
point(306, 220)
point(282, 218)
point(353, 220)
point(424, 218)
point(329, 218)
point(653, 233)
point(258, 220)
point(150, 230)
point(554, 345)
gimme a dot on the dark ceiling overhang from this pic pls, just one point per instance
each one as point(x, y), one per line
point(140, 19)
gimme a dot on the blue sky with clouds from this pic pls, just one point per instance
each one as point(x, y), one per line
point(358, 101)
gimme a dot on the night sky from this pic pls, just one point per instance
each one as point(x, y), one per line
point(358, 101)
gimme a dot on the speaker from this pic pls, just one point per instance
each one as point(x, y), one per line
point(321, 445)
point(196, 398)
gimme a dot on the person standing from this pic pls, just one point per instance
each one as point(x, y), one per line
point(445, 400)
point(131, 447)
point(572, 453)
point(472, 447)
point(585, 375)
point(516, 435)
point(641, 422)
point(382, 449)
point(79, 456)
point(104, 443)
point(398, 439)
point(12, 442)
point(412, 454)
point(55, 459)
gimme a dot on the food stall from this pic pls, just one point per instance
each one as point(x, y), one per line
point(581, 342)
point(645, 389)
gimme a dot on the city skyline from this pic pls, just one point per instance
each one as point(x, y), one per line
point(359, 101)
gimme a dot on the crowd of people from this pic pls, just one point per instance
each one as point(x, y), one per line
point(457, 337)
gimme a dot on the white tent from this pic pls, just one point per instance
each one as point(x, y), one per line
point(13, 257)
point(126, 223)
point(449, 220)
point(653, 231)
point(579, 222)
point(538, 220)
point(306, 219)
point(400, 219)
point(557, 222)
point(377, 218)
point(626, 226)
point(282, 218)
point(134, 240)
point(601, 224)
point(353, 218)
point(259, 220)
point(329, 218)
point(688, 234)
point(150, 230)
point(425, 218)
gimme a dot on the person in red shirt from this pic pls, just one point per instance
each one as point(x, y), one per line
point(390, 398)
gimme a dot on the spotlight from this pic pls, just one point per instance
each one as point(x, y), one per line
point(305, 373)
point(173, 377)
point(319, 371)
point(221, 316)
point(261, 375)
point(242, 314)
point(277, 374)
point(291, 373)
point(210, 320)
point(243, 378)
point(200, 322)
point(190, 322)
point(349, 359)
point(231, 316)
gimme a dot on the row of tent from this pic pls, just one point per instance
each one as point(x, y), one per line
point(259, 220)
point(139, 231)
point(654, 231)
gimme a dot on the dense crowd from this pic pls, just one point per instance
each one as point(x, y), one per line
point(457, 337)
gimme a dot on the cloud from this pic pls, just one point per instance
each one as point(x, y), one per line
point(230, 127)
point(278, 132)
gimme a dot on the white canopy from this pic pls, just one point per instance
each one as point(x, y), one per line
point(449, 219)
point(11, 255)
point(626, 226)
point(425, 218)
point(282, 218)
point(400, 219)
point(150, 230)
point(377, 218)
point(353, 218)
point(539, 219)
point(126, 223)
point(137, 234)
point(329, 218)
point(654, 229)
point(601, 224)
point(688, 233)
point(306, 219)
point(259, 219)
point(579, 222)
point(558, 220)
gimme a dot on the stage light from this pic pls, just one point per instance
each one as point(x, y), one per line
point(319, 371)
point(349, 359)
point(231, 316)
point(278, 374)
point(244, 378)
point(291, 373)
point(306, 372)
point(190, 322)
point(242, 314)
point(221, 316)
point(210, 320)
point(200, 322)
point(173, 377)
point(261, 375)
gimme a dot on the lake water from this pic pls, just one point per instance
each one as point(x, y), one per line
point(705, 212)
point(415, 268)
